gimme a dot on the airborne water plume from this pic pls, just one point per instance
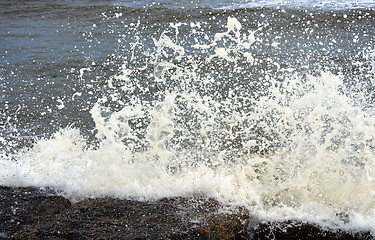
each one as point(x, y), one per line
point(276, 117)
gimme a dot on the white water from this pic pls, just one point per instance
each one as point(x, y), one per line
point(306, 148)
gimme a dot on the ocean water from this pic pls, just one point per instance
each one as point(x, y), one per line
point(263, 104)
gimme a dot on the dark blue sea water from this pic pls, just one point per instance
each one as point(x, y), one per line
point(265, 104)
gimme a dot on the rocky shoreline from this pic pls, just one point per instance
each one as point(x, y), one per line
point(30, 213)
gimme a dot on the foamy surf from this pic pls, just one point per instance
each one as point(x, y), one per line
point(298, 146)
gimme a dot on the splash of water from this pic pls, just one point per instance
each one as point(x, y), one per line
point(295, 146)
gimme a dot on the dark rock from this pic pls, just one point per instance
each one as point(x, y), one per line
point(298, 230)
point(41, 216)
point(29, 213)
point(20, 207)
point(113, 218)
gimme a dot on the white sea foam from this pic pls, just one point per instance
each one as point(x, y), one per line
point(306, 150)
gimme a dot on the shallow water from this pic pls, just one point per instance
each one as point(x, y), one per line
point(265, 105)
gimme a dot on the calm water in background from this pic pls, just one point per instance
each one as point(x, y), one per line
point(149, 81)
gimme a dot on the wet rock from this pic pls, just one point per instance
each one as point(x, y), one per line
point(106, 218)
point(28, 213)
point(20, 207)
point(298, 230)
point(41, 216)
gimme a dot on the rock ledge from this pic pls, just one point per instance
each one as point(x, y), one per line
point(29, 213)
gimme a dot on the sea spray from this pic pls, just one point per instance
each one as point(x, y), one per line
point(284, 143)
